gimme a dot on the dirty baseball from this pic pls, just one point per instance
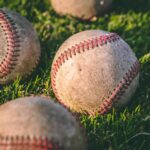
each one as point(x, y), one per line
point(94, 71)
point(19, 46)
point(83, 9)
point(37, 123)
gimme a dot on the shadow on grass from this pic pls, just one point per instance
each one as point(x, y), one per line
point(123, 6)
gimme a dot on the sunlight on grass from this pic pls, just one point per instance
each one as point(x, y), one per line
point(127, 129)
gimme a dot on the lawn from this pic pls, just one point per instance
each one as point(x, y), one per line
point(127, 129)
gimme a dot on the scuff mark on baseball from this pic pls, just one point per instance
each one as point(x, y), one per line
point(37, 123)
point(19, 46)
point(94, 71)
point(83, 9)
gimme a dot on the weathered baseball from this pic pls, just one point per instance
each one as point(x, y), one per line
point(83, 9)
point(94, 71)
point(37, 123)
point(19, 46)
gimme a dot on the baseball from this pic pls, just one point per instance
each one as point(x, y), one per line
point(83, 9)
point(37, 123)
point(94, 71)
point(19, 46)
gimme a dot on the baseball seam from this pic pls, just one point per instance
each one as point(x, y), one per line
point(13, 46)
point(120, 89)
point(27, 142)
point(85, 46)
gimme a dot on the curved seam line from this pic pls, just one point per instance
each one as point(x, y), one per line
point(34, 143)
point(13, 40)
point(77, 49)
point(120, 89)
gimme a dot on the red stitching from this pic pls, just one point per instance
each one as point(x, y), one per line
point(78, 48)
point(120, 88)
point(28, 143)
point(89, 45)
point(12, 38)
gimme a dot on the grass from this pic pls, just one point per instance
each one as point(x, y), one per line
point(128, 129)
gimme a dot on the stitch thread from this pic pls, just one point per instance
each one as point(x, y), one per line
point(28, 143)
point(12, 38)
point(120, 89)
point(91, 44)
